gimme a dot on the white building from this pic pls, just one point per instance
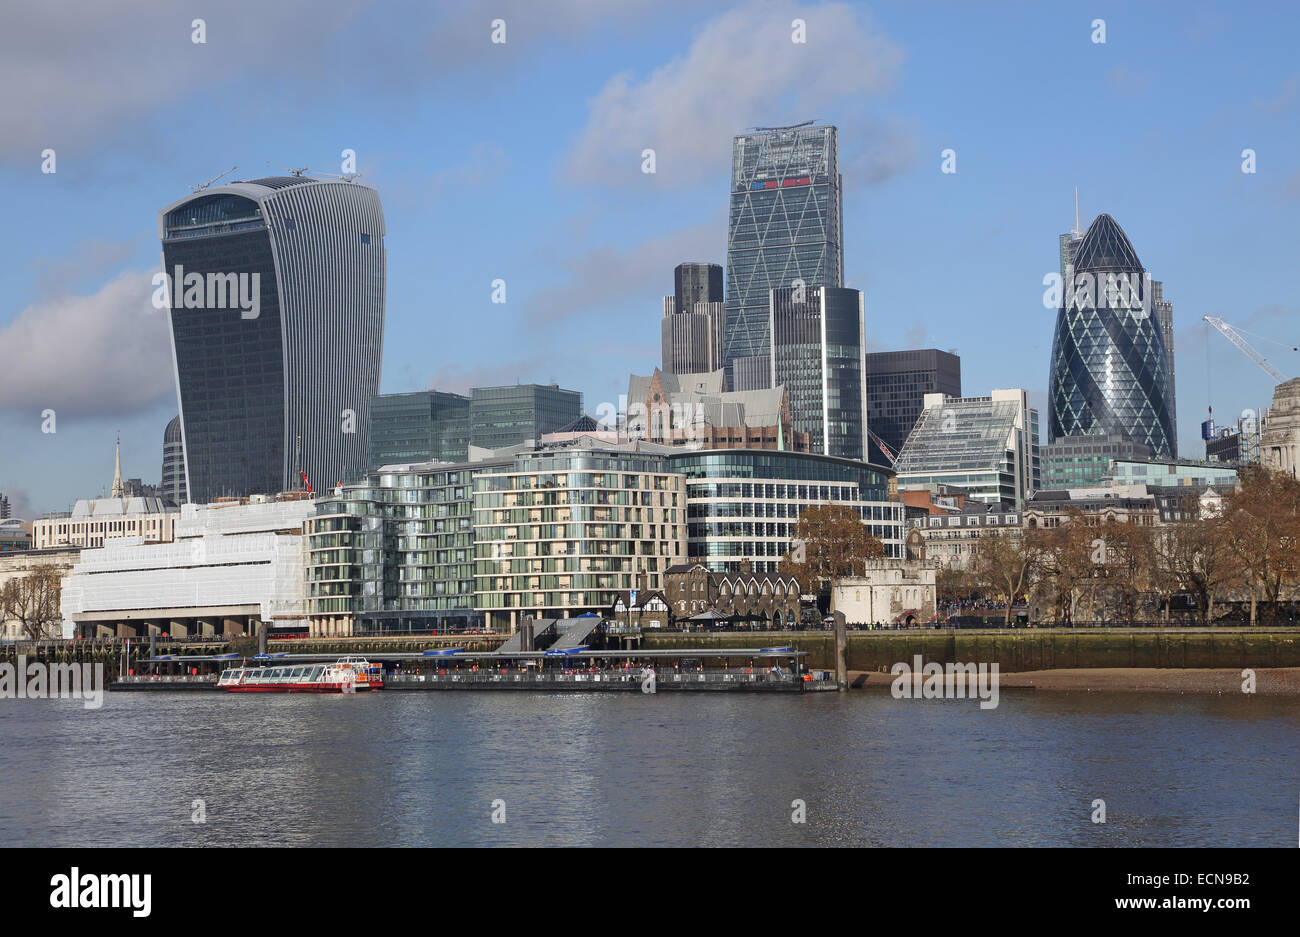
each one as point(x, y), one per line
point(231, 566)
point(891, 591)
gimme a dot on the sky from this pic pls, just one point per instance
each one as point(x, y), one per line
point(522, 161)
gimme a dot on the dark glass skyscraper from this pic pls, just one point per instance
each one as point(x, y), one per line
point(785, 226)
point(277, 323)
point(1110, 370)
point(897, 382)
point(818, 356)
point(691, 330)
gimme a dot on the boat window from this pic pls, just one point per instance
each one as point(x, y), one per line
point(295, 673)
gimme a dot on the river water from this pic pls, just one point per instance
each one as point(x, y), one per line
point(425, 768)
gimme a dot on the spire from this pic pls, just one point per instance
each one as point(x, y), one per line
point(119, 490)
point(1076, 232)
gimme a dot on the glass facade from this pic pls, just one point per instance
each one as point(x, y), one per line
point(510, 415)
point(302, 364)
point(987, 446)
point(1111, 371)
point(745, 504)
point(897, 382)
point(1084, 461)
point(785, 225)
point(1174, 474)
point(395, 553)
point(420, 427)
point(818, 356)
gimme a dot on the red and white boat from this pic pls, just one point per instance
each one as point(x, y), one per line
point(347, 675)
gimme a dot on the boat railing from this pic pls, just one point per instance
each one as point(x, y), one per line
point(169, 678)
point(737, 677)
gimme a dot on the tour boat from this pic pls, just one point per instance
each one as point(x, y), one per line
point(347, 675)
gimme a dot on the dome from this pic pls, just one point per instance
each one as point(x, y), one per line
point(173, 432)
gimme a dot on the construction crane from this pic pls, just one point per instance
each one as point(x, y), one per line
point(345, 177)
point(203, 185)
point(1232, 335)
point(884, 449)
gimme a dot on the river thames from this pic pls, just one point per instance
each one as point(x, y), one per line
point(433, 768)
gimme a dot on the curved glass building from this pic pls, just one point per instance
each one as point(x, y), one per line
point(1111, 371)
point(276, 293)
point(744, 504)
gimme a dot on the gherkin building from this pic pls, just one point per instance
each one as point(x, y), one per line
point(1111, 371)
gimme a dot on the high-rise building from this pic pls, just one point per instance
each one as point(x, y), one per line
point(276, 289)
point(425, 426)
point(785, 230)
point(694, 317)
point(986, 447)
point(1164, 312)
point(4, 507)
point(1279, 443)
point(172, 486)
point(897, 382)
point(818, 353)
point(516, 413)
point(1110, 365)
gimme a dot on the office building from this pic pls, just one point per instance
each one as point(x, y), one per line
point(425, 426)
point(172, 486)
point(564, 529)
point(1110, 365)
point(818, 354)
point(694, 319)
point(743, 505)
point(516, 413)
point(691, 411)
point(1159, 473)
point(785, 230)
point(277, 321)
point(5, 510)
point(1085, 461)
point(984, 446)
point(1279, 443)
point(897, 382)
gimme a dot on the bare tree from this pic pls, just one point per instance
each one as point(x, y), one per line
point(832, 543)
point(1003, 566)
point(33, 600)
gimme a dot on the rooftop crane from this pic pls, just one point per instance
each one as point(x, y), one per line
point(1232, 335)
point(345, 177)
point(293, 172)
point(884, 449)
point(203, 185)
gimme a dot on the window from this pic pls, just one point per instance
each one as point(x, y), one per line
point(365, 238)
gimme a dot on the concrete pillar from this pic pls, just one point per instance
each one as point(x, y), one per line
point(152, 628)
point(841, 650)
point(125, 630)
point(178, 628)
point(231, 627)
point(205, 628)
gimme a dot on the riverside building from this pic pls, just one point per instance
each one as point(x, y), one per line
point(395, 554)
point(743, 505)
point(563, 529)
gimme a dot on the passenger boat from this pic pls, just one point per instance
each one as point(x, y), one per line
point(347, 675)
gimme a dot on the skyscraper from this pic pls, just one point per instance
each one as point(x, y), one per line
point(172, 486)
point(277, 321)
point(1110, 371)
point(818, 353)
point(691, 330)
point(785, 226)
point(897, 382)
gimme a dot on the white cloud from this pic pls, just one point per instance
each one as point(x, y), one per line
point(86, 356)
point(741, 70)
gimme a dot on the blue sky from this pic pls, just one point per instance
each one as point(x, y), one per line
point(522, 161)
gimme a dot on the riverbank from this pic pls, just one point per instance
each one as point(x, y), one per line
point(1282, 681)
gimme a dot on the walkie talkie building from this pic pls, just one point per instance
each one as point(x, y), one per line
point(1111, 370)
point(276, 294)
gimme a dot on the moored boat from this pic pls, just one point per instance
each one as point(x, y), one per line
point(347, 675)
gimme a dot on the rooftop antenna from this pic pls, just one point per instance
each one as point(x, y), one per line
point(1075, 232)
point(203, 185)
point(293, 172)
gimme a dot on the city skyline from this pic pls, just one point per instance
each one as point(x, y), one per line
point(584, 253)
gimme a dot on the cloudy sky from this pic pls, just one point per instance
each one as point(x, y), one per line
point(522, 161)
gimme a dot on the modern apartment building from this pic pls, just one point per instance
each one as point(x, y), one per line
point(563, 529)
